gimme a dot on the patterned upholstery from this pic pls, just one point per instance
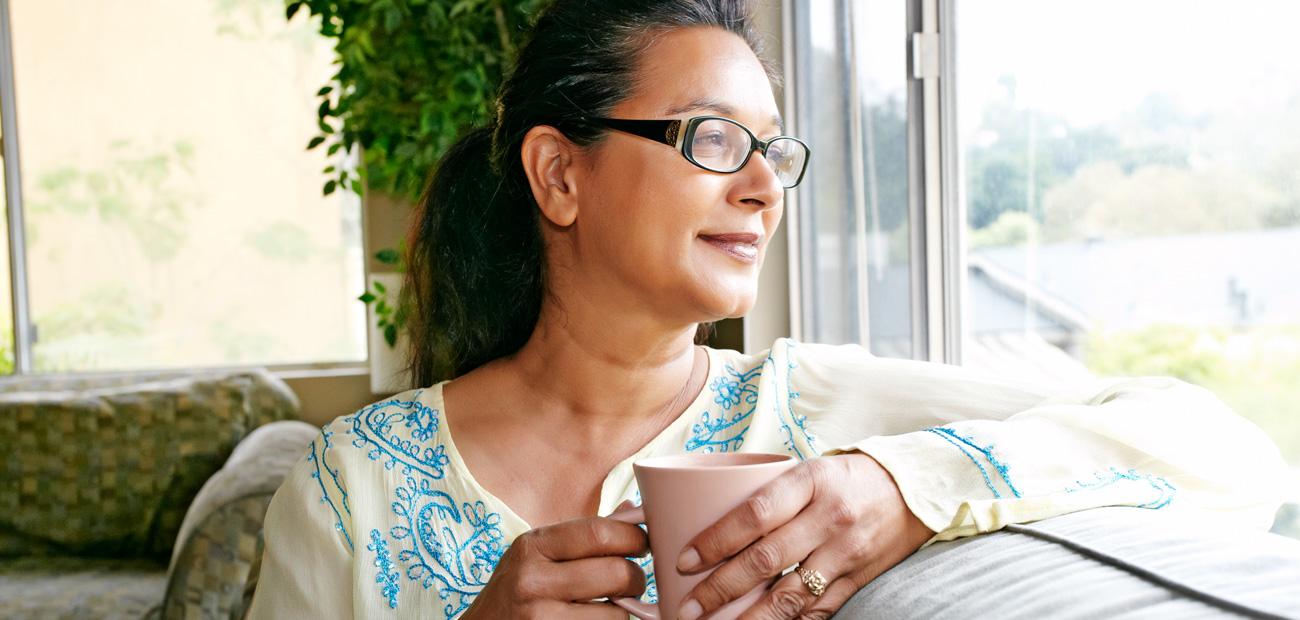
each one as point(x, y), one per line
point(209, 582)
point(97, 475)
point(56, 588)
point(221, 536)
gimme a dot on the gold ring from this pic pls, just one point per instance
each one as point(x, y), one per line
point(812, 580)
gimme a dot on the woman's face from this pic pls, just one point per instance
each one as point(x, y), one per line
point(646, 231)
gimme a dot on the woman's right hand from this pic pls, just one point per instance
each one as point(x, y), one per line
point(556, 571)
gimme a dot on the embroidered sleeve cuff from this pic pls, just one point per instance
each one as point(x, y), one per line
point(958, 487)
point(932, 476)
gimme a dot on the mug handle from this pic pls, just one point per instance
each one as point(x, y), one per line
point(645, 611)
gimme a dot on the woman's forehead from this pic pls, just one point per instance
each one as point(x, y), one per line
point(696, 71)
point(722, 108)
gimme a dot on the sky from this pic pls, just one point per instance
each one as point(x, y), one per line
point(1088, 61)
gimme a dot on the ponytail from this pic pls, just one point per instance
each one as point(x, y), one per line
point(474, 266)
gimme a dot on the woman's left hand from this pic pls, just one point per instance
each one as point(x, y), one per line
point(841, 515)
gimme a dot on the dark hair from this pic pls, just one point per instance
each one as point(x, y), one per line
point(475, 265)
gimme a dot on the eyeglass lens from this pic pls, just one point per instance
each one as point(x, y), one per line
point(723, 146)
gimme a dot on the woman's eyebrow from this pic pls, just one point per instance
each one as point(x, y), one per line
point(706, 103)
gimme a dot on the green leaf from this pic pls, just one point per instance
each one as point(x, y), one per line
point(392, 19)
point(461, 7)
point(387, 256)
point(403, 106)
point(315, 142)
point(379, 286)
point(329, 187)
point(366, 297)
point(390, 335)
point(325, 127)
point(292, 9)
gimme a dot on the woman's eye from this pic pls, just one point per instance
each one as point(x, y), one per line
point(711, 139)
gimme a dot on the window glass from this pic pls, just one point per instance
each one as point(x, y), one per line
point(851, 82)
point(174, 217)
point(1133, 194)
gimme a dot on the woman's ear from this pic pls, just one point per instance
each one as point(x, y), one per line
point(549, 161)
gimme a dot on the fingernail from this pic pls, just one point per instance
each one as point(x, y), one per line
point(690, 610)
point(688, 560)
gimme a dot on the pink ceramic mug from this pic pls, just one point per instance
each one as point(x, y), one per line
point(681, 496)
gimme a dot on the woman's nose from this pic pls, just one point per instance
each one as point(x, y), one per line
point(763, 185)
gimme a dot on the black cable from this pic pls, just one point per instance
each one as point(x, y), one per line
point(1144, 573)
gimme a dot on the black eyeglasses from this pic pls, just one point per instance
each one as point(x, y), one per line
point(718, 144)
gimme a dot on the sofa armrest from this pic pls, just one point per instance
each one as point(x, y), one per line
point(218, 538)
point(1099, 563)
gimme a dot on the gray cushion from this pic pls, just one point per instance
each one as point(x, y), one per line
point(1104, 563)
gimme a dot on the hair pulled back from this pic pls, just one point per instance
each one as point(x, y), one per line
point(475, 265)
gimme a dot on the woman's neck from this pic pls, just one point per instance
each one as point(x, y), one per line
point(609, 374)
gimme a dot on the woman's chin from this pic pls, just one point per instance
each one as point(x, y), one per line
point(726, 302)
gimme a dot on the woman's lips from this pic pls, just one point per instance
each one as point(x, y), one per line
point(740, 246)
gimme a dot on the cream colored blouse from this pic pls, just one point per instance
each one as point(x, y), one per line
point(382, 519)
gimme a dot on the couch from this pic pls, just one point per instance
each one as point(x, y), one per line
point(138, 496)
point(1104, 563)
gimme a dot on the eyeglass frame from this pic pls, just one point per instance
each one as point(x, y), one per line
point(670, 132)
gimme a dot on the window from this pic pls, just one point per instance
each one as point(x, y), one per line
point(1133, 208)
point(173, 215)
point(853, 229)
point(1115, 197)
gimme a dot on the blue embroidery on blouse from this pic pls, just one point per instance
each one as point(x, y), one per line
point(800, 421)
point(320, 463)
point(730, 390)
point(374, 427)
point(387, 577)
point(953, 437)
point(399, 434)
point(985, 474)
point(1165, 491)
point(432, 551)
point(646, 563)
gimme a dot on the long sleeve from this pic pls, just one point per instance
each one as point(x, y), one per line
point(972, 452)
point(307, 562)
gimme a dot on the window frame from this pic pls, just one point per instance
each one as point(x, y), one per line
point(936, 214)
point(18, 293)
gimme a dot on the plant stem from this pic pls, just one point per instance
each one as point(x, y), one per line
point(502, 29)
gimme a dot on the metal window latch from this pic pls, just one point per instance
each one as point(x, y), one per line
point(925, 55)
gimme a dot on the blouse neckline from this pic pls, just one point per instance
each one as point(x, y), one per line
point(508, 515)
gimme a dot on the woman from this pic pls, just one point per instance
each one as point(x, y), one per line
point(558, 271)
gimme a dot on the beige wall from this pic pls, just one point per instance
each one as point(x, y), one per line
point(328, 396)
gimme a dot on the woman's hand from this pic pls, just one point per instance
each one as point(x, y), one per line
point(556, 571)
point(839, 515)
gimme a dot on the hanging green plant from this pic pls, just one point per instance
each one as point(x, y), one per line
point(412, 74)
